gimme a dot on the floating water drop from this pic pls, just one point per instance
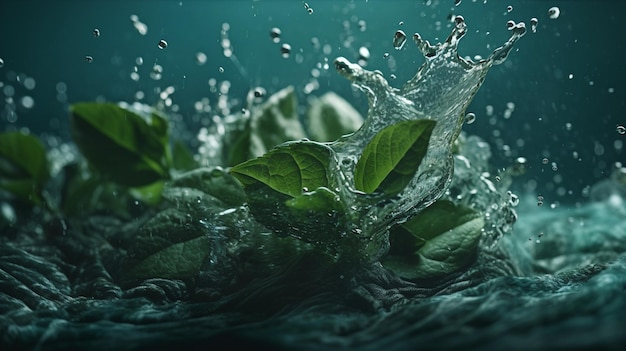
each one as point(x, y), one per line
point(162, 44)
point(259, 92)
point(470, 118)
point(275, 34)
point(399, 39)
point(621, 129)
point(88, 59)
point(201, 58)
point(510, 25)
point(96, 33)
point(533, 24)
point(513, 199)
point(554, 12)
point(285, 50)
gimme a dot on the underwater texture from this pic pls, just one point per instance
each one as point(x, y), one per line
point(311, 176)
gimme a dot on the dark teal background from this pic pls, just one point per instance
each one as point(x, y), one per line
point(48, 40)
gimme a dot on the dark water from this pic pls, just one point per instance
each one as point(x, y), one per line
point(557, 280)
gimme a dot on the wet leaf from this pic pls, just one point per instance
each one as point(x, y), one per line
point(178, 261)
point(129, 148)
point(288, 168)
point(182, 157)
point(321, 199)
point(392, 157)
point(330, 116)
point(23, 166)
point(438, 241)
point(275, 122)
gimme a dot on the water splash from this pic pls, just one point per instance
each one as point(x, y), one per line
point(441, 90)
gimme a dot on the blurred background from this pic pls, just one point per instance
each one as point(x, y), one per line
point(557, 101)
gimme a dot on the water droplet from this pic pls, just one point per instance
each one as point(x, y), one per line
point(509, 8)
point(555, 167)
point(89, 59)
point(399, 39)
point(498, 178)
point(470, 118)
point(510, 25)
point(392, 76)
point(513, 199)
point(401, 23)
point(162, 44)
point(554, 12)
point(1, 63)
point(533, 24)
point(457, 2)
point(259, 92)
point(545, 161)
point(275, 34)
point(201, 58)
point(386, 55)
point(285, 50)
point(220, 69)
point(96, 32)
point(310, 11)
point(621, 129)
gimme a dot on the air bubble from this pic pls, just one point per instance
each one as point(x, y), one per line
point(457, 2)
point(399, 39)
point(275, 34)
point(285, 50)
point(310, 11)
point(201, 58)
point(386, 55)
point(545, 161)
point(513, 199)
point(621, 129)
point(470, 118)
point(509, 8)
point(89, 59)
point(554, 12)
point(1, 63)
point(220, 69)
point(162, 44)
point(96, 32)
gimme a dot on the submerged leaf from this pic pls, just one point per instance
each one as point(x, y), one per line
point(438, 241)
point(178, 261)
point(392, 157)
point(132, 150)
point(23, 166)
point(289, 168)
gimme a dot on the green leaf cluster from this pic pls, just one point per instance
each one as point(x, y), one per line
point(438, 241)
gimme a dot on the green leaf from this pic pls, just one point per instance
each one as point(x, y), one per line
point(392, 157)
point(182, 158)
point(23, 166)
point(321, 199)
point(213, 181)
point(178, 261)
point(438, 241)
point(330, 116)
point(275, 122)
point(149, 194)
point(129, 148)
point(289, 168)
